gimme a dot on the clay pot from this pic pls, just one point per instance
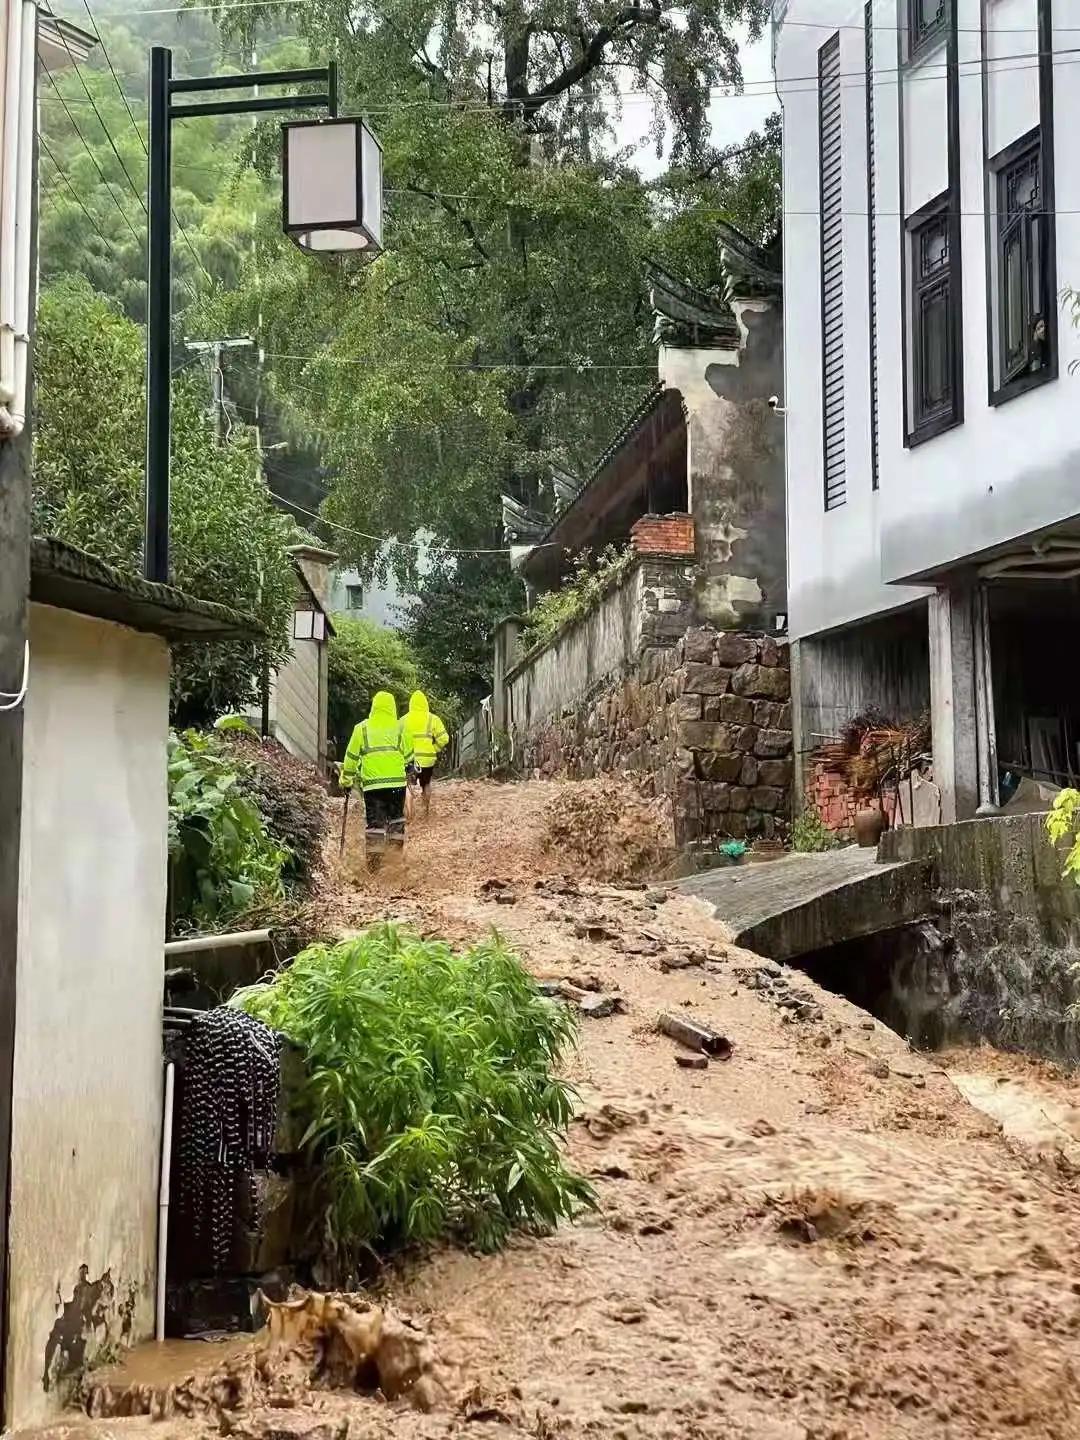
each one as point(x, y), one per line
point(869, 824)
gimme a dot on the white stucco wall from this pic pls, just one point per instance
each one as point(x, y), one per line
point(1005, 471)
point(87, 1085)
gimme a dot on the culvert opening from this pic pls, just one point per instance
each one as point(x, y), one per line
point(938, 986)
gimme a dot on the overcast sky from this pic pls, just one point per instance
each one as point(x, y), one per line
point(731, 117)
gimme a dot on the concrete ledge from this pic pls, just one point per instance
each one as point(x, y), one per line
point(789, 907)
point(1006, 857)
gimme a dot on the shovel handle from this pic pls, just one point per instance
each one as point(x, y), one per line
point(344, 822)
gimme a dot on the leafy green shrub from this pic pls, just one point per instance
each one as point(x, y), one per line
point(430, 1097)
point(810, 834)
point(288, 793)
point(587, 585)
point(1063, 822)
point(222, 860)
point(364, 657)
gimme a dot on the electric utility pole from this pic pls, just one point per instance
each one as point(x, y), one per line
point(214, 349)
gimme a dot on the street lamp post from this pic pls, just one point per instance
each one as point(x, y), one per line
point(332, 202)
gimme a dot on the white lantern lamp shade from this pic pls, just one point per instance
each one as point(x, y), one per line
point(332, 186)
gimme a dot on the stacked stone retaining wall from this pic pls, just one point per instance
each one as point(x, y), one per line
point(704, 723)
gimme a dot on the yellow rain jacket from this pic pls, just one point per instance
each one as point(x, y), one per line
point(425, 730)
point(380, 747)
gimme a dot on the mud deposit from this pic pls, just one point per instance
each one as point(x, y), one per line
point(818, 1239)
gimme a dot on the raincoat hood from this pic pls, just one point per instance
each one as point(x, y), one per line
point(384, 707)
point(419, 709)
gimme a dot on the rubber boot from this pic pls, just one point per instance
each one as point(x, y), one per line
point(374, 847)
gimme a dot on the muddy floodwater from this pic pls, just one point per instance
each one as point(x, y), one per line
point(825, 1237)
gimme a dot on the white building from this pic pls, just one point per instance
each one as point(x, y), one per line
point(931, 218)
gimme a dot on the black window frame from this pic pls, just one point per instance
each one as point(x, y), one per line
point(924, 283)
point(921, 39)
point(871, 241)
point(1032, 229)
point(351, 594)
point(831, 220)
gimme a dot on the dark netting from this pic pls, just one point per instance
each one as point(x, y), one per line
point(226, 1125)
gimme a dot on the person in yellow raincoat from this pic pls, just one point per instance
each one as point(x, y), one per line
point(382, 752)
point(427, 735)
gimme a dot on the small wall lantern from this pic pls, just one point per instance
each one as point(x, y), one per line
point(309, 625)
point(332, 186)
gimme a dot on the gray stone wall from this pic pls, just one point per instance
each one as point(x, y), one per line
point(649, 607)
point(704, 724)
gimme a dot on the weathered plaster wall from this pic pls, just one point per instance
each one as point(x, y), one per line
point(87, 1084)
point(736, 469)
point(651, 605)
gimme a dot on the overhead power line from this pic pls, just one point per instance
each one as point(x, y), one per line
point(100, 119)
point(400, 544)
point(76, 197)
point(86, 146)
point(134, 125)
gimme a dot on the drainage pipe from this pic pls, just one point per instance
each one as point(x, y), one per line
point(163, 1198)
point(215, 942)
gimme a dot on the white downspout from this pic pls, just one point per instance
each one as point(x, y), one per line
point(16, 213)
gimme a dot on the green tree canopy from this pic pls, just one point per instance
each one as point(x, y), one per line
point(227, 541)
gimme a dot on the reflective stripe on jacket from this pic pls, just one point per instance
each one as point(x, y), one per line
point(379, 747)
point(426, 731)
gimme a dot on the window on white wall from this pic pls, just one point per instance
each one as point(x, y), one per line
point(1022, 287)
point(830, 139)
point(927, 25)
point(354, 597)
point(933, 322)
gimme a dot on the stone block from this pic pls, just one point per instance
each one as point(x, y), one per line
point(761, 682)
point(744, 737)
point(706, 679)
point(773, 744)
point(775, 772)
point(705, 735)
point(712, 706)
point(748, 771)
point(734, 649)
point(687, 798)
point(688, 707)
point(712, 766)
point(770, 651)
point(783, 720)
point(684, 761)
point(766, 714)
point(716, 797)
point(735, 826)
point(737, 711)
point(739, 798)
point(700, 643)
point(765, 797)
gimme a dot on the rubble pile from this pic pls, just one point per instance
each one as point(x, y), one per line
point(607, 831)
point(773, 983)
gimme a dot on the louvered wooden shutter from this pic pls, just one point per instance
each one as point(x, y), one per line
point(832, 271)
point(871, 237)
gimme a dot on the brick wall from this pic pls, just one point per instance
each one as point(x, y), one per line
point(831, 795)
point(663, 535)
